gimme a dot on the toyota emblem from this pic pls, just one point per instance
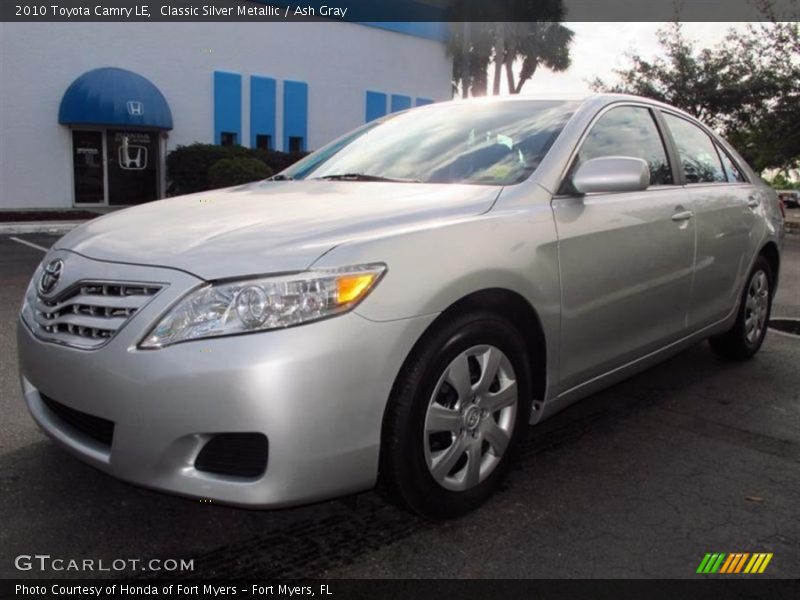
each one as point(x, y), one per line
point(52, 273)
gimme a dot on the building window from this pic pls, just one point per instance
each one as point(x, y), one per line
point(295, 115)
point(227, 105)
point(376, 106)
point(263, 96)
point(227, 138)
point(399, 102)
point(263, 141)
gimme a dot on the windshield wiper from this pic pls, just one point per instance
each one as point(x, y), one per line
point(281, 177)
point(365, 177)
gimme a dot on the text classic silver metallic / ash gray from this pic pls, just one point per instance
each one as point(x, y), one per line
point(397, 306)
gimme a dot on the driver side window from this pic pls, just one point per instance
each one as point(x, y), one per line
point(628, 131)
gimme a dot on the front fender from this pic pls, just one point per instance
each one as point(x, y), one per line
point(512, 247)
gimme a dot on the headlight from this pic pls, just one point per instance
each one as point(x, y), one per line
point(260, 304)
point(29, 299)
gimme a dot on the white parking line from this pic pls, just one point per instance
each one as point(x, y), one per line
point(774, 329)
point(31, 244)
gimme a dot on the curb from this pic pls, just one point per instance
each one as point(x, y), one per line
point(792, 227)
point(39, 226)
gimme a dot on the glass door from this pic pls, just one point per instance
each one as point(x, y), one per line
point(132, 171)
point(87, 163)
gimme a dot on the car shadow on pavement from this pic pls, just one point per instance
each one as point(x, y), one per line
point(60, 506)
point(72, 510)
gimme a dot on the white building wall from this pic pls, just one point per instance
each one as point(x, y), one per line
point(339, 61)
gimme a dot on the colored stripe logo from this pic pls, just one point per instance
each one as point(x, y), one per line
point(735, 562)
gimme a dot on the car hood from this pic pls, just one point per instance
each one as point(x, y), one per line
point(268, 227)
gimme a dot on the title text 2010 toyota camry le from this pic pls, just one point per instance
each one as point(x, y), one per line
point(395, 308)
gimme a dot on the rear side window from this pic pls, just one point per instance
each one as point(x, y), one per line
point(733, 172)
point(701, 162)
point(629, 131)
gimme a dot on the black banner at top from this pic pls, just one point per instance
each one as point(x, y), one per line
point(428, 11)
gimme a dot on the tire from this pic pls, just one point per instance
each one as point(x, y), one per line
point(744, 339)
point(465, 390)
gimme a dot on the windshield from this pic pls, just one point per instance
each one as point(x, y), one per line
point(304, 166)
point(494, 143)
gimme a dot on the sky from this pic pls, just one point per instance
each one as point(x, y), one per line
point(599, 48)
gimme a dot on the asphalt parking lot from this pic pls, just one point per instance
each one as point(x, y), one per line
point(696, 455)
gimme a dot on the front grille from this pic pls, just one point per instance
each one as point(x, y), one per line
point(237, 454)
point(100, 430)
point(89, 314)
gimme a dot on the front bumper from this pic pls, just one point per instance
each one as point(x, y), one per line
point(317, 392)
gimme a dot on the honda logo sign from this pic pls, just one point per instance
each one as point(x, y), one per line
point(132, 157)
point(135, 108)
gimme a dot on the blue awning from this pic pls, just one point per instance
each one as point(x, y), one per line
point(114, 97)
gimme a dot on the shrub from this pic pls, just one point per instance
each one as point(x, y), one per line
point(236, 171)
point(277, 161)
point(188, 167)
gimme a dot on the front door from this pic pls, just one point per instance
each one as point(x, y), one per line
point(87, 164)
point(626, 264)
point(115, 167)
point(132, 166)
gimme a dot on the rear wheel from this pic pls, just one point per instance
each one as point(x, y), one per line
point(455, 415)
point(746, 336)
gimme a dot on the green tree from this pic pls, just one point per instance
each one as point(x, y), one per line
point(542, 41)
point(746, 87)
point(781, 182)
point(237, 171)
point(770, 135)
point(534, 45)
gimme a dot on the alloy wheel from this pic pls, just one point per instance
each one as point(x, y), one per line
point(470, 418)
point(756, 307)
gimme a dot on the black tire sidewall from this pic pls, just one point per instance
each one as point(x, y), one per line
point(740, 331)
point(416, 483)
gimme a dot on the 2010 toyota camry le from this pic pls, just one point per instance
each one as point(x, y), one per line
point(396, 307)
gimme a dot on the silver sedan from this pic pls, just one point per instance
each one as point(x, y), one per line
point(394, 309)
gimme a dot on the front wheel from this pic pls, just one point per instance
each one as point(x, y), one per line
point(746, 336)
point(455, 415)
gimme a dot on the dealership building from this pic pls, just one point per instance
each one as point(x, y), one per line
point(89, 111)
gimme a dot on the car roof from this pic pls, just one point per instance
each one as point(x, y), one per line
point(595, 101)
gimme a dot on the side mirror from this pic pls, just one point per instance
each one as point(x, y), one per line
point(612, 174)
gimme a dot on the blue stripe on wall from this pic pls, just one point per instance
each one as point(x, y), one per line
point(295, 112)
point(424, 101)
point(376, 106)
point(400, 102)
point(227, 105)
point(262, 108)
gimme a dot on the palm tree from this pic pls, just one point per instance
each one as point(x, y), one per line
point(471, 46)
point(538, 42)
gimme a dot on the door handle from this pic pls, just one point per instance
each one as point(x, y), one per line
point(684, 215)
point(752, 202)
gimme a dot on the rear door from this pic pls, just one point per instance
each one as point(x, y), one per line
point(725, 206)
point(626, 259)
